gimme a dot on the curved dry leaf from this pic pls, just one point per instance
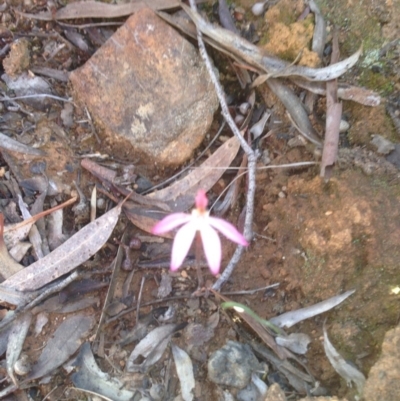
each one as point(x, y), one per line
point(180, 195)
point(151, 347)
point(8, 266)
point(89, 377)
point(253, 55)
point(346, 92)
point(92, 9)
point(184, 369)
point(144, 218)
point(65, 342)
point(15, 146)
point(289, 319)
point(16, 341)
point(296, 342)
point(13, 233)
point(73, 252)
point(344, 369)
point(295, 109)
point(18, 251)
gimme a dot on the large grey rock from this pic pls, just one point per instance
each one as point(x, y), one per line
point(148, 91)
point(232, 365)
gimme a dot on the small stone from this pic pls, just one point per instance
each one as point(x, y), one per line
point(344, 126)
point(249, 393)
point(265, 158)
point(148, 91)
point(383, 145)
point(232, 365)
point(275, 393)
point(282, 195)
point(101, 203)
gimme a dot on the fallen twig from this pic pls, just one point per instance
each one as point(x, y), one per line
point(252, 158)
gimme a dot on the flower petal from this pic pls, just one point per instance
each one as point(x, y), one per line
point(201, 200)
point(228, 230)
point(212, 247)
point(170, 222)
point(182, 241)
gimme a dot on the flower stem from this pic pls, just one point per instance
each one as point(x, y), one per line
point(198, 247)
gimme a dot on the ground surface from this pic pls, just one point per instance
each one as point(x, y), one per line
point(316, 239)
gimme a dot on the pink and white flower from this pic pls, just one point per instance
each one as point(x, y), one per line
point(198, 221)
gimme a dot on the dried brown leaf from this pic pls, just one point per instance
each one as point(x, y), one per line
point(13, 233)
point(89, 377)
point(184, 369)
point(180, 195)
point(333, 118)
point(15, 146)
point(16, 341)
point(65, 342)
point(151, 347)
point(291, 318)
point(76, 250)
point(343, 368)
point(8, 266)
point(92, 9)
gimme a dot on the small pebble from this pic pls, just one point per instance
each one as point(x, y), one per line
point(258, 9)
point(383, 145)
point(344, 126)
point(135, 243)
point(244, 108)
point(282, 195)
point(101, 203)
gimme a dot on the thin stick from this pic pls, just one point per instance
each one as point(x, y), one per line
point(179, 297)
point(252, 158)
point(139, 299)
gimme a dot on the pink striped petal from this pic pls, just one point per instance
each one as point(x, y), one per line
point(228, 230)
point(170, 222)
point(212, 247)
point(182, 241)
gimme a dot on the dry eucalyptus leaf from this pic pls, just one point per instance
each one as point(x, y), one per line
point(76, 250)
point(18, 251)
point(237, 46)
point(4, 334)
point(344, 369)
point(15, 146)
point(65, 342)
point(296, 342)
point(13, 233)
point(151, 347)
point(333, 119)
point(8, 266)
point(184, 369)
point(89, 377)
point(16, 341)
point(15, 297)
point(92, 9)
point(165, 287)
point(289, 319)
point(183, 191)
